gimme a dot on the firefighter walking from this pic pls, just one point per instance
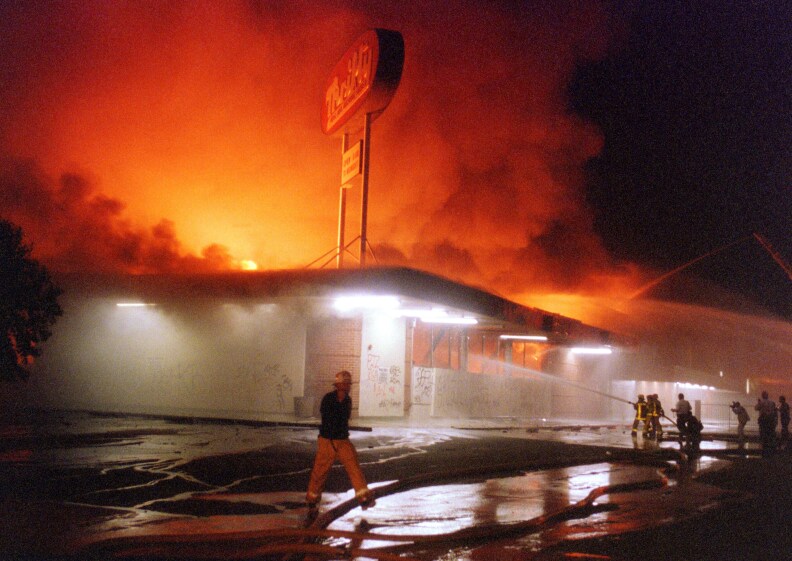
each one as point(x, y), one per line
point(334, 444)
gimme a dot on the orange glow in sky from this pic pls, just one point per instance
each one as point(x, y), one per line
point(185, 136)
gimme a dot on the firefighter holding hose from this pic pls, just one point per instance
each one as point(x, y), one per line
point(655, 411)
point(640, 415)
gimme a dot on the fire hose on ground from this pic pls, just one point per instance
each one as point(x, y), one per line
point(299, 542)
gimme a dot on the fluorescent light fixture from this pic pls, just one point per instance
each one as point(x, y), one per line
point(591, 350)
point(134, 305)
point(523, 337)
point(414, 313)
point(365, 302)
point(694, 386)
point(450, 320)
point(391, 304)
point(421, 313)
point(435, 315)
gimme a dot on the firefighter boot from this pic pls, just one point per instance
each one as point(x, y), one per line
point(366, 500)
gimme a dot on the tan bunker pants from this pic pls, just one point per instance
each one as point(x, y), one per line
point(326, 454)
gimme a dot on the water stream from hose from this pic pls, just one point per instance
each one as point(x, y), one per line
point(552, 378)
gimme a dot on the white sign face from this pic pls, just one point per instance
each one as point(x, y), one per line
point(350, 86)
point(364, 80)
point(351, 165)
point(382, 367)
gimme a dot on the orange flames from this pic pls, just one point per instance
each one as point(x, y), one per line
point(185, 137)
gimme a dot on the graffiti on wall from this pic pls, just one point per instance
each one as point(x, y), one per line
point(422, 385)
point(383, 385)
point(382, 368)
point(191, 359)
point(461, 394)
point(248, 385)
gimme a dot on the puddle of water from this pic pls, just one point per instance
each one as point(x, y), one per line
point(427, 511)
point(437, 510)
point(449, 508)
point(287, 508)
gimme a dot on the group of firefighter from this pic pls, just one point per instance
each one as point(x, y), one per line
point(648, 411)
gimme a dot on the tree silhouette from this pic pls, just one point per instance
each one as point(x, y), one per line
point(28, 304)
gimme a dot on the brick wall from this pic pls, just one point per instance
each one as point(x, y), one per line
point(332, 345)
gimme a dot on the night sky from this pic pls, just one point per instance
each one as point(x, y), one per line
point(575, 147)
point(696, 110)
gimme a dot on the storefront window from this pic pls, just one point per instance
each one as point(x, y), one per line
point(518, 353)
point(441, 347)
point(482, 351)
point(526, 355)
point(475, 353)
point(437, 346)
point(422, 345)
point(456, 339)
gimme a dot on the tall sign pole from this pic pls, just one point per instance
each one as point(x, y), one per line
point(342, 207)
point(364, 195)
point(359, 88)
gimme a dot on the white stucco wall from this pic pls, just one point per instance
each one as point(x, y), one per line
point(465, 395)
point(382, 367)
point(711, 404)
point(199, 358)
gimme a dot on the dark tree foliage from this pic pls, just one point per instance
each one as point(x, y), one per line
point(28, 304)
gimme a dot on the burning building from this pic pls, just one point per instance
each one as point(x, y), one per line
point(266, 346)
point(422, 350)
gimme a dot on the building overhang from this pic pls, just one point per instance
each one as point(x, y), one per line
point(418, 293)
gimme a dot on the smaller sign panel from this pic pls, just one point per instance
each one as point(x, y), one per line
point(352, 164)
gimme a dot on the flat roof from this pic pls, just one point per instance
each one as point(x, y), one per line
point(326, 283)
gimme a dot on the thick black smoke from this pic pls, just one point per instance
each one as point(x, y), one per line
point(72, 227)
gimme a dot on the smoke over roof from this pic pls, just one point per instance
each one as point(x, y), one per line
point(75, 228)
point(169, 136)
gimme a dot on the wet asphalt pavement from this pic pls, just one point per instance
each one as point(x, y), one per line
point(91, 486)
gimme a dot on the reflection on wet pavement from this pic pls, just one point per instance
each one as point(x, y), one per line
point(432, 511)
point(116, 478)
